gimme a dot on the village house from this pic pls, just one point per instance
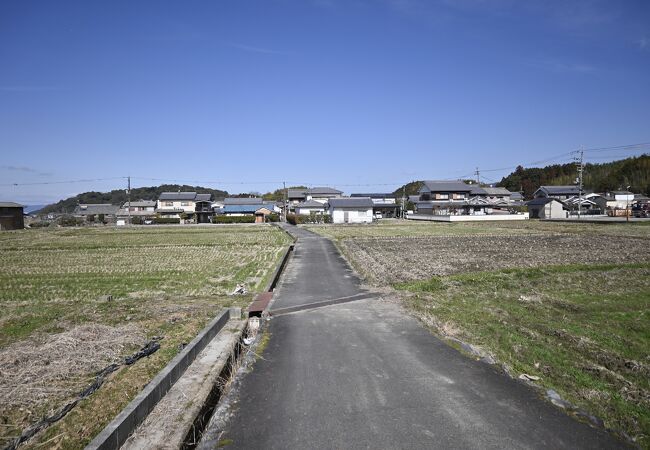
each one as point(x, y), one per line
point(11, 216)
point(497, 195)
point(248, 206)
point(295, 196)
point(558, 192)
point(351, 210)
point(96, 211)
point(317, 194)
point(618, 199)
point(546, 208)
point(450, 197)
point(143, 207)
point(188, 205)
point(311, 207)
point(384, 204)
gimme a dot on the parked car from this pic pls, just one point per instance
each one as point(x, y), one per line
point(641, 211)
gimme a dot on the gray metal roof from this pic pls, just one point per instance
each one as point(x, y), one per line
point(242, 201)
point(477, 190)
point(374, 195)
point(203, 197)
point(541, 201)
point(10, 205)
point(561, 190)
point(296, 193)
point(496, 191)
point(140, 204)
point(324, 191)
point(310, 204)
point(446, 186)
point(97, 208)
point(177, 196)
point(348, 202)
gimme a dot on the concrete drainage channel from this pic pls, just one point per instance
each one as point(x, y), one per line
point(173, 410)
point(202, 419)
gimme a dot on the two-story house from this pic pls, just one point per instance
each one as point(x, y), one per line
point(557, 192)
point(197, 207)
point(444, 197)
point(384, 204)
point(317, 194)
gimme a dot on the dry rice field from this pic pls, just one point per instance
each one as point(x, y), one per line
point(57, 330)
point(568, 304)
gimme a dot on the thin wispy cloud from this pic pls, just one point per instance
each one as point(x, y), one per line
point(252, 49)
point(643, 43)
point(24, 169)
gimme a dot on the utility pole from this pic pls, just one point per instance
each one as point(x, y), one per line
point(478, 176)
point(128, 197)
point(403, 199)
point(580, 167)
point(627, 205)
point(284, 185)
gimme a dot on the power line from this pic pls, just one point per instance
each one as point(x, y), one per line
point(88, 180)
point(560, 157)
point(640, 145)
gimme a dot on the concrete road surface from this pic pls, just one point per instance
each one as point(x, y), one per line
point(365, 375)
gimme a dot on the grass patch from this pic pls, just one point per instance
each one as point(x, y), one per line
point(584, 329)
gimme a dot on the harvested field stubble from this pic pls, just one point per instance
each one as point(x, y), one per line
point(391, 260)
point(58, 326)
point(568, 303)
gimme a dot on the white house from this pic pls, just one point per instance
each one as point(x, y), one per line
point(619, 199)
point(546, 208)
point(173, 204)
point(323, 194)
point(351, 210)
point(311, 206)
point(384, 204)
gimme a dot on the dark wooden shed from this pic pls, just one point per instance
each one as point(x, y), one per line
point(11, 216)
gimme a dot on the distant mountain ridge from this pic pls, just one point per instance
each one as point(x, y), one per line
point(610, 176)
point(118, 196)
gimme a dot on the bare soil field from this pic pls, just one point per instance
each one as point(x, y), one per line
point(58, 328)
point(391, 260)
point(567, 304)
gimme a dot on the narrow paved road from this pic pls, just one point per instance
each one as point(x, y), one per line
point(364, 375)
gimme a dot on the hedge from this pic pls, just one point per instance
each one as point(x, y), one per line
point(297, 219)
point(165, 220)
point(233, 219)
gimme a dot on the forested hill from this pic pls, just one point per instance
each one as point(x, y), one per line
point(411, 188)
point(118, 196)
point(615, 175)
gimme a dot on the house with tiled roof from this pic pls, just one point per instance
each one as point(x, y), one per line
point(189, 206)
point(350, 210)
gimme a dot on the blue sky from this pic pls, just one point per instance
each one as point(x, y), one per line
point(246, 94)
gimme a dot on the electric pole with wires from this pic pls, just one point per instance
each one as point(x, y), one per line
point(286, 201)
point(580, 167)
point(128, 200)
